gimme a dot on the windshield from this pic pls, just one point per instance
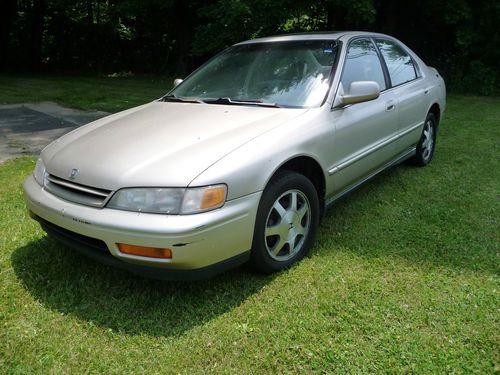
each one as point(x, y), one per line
point(288, 74)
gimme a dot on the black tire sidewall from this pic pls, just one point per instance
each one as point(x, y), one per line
point(282, 182)
point(419, 158)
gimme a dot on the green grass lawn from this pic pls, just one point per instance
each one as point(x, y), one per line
point(403, 278)
point(89, 93)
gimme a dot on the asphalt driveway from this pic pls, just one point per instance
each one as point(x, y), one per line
point(25, 129)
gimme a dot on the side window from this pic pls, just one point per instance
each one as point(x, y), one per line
point(399, 63)
point(362, 64)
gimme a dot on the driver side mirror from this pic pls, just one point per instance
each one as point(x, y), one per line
point(177, 81)
point(361, 91)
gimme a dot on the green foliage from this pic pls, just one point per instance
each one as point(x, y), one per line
point(479, 78)
point(459, 37)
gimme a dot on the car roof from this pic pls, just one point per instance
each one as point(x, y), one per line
point(324, 35)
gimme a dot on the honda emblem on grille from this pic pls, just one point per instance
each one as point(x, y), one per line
point(73, 173)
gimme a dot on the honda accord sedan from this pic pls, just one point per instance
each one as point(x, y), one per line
point(238, 162)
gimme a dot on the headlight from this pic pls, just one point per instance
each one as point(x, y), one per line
point(171, 201)
point(39, 172)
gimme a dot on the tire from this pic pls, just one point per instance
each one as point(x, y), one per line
point(427, 143)
point(286, 222)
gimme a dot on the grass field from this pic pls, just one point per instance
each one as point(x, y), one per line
point(403, 278)
point(89, 93)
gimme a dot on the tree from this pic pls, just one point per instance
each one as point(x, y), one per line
point(459, 37)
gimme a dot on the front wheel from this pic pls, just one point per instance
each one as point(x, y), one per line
point(426, 144)
point(287, 219)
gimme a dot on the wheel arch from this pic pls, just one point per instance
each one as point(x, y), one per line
point(310, 168)
point(435, 109)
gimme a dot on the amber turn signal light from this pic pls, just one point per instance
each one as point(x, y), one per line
point(213, 197)
point(144, 251)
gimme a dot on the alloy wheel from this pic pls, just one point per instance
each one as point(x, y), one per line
point(428, 141)
point(287, 225)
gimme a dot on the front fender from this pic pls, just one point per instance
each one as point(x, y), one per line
point(249, 168)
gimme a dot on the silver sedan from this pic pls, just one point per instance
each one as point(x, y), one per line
point(239, 161)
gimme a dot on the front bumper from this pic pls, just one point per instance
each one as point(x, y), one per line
point(203, 242)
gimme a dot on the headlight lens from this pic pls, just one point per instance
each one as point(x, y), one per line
point(156, 200)
point(171, 201)
point(39, 172)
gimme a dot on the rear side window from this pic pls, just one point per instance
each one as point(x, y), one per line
point(362, 64)
point(399, 63)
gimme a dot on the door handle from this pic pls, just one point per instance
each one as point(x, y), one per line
point(390, 106)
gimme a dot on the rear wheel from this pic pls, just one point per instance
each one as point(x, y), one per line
point(426, 144)
point(286, 222)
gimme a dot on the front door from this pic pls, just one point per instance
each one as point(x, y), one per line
point(362, 131)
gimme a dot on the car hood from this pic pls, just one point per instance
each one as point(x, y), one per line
point(158, 144)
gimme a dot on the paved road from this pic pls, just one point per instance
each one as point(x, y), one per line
point(25, 129)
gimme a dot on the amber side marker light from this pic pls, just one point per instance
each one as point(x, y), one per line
point(144, 251)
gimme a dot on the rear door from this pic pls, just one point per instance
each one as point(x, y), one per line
point(410, 90)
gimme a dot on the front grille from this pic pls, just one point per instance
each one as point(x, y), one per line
point(72, 238)
point(70, 191)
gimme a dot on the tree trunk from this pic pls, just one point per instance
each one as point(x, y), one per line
point(336, 16)
point(183, 36)
point(37, 28)
point(90, 13)
point(8, 13)
point(385, 19)
point(329, 15)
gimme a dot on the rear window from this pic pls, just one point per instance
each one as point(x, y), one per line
point(399, 63)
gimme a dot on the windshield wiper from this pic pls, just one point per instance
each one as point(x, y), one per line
point(173, 98)
point(230, 101)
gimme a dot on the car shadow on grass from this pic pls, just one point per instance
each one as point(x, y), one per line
point(118, 300)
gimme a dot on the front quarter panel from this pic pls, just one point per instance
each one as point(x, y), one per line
point(249, 168)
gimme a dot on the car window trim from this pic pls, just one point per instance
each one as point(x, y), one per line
point(405, 83)
point(331, 78)
point(352, 40)
point(416, 68)
point(387, 76)
point(333, 71)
